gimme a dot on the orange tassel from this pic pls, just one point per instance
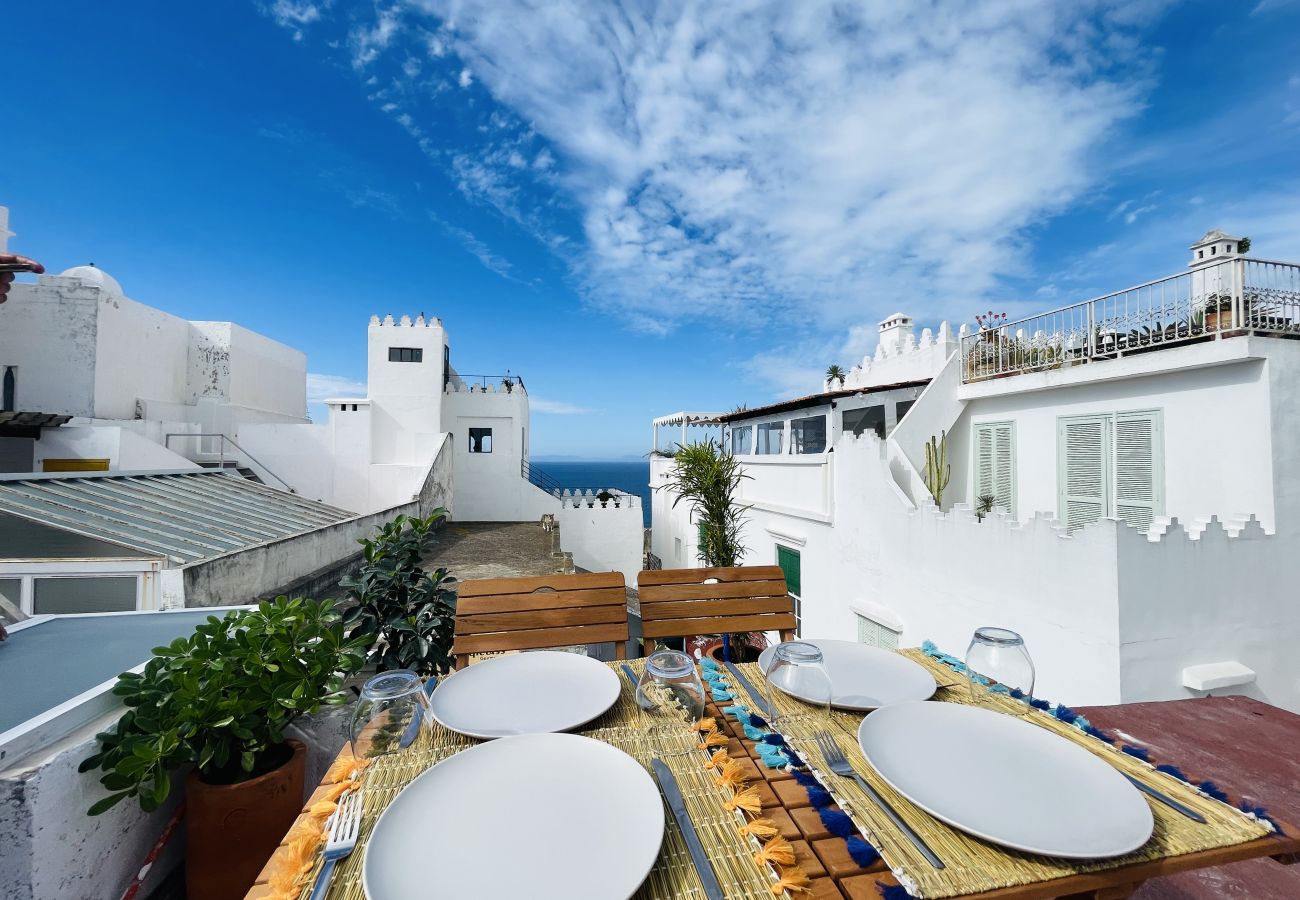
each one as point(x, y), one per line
point(338, 790)
point(322, 810)
point(293, 864)
point(793, 879)
point(713, 739)
point(718, 758)
point(759, 828)
point(344, 768)
point(732, 775)
point(706, 725)
point(778, 850)
point(749, 800)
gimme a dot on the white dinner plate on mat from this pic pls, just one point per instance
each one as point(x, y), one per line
point(862, 677)
point(524, 693)
point(1004, 779)
point(539, 816)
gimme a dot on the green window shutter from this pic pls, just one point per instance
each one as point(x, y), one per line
point(1083, 448)
point(1139, 463)
point(789, 562)
point(995, 463)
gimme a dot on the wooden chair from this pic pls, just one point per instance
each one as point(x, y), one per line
point(533, 613)
point(682, 602)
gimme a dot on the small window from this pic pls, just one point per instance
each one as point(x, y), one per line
point(741, 435)
point(1228, 248)
point(875, 634)
point(995, 464)
point(114, 593)
point(480, 440)
point(1214, 250)
point(808, 435)
point(405, 354)
point(8, 402)
point(901, 408)
point(860, 421)
point(1200, 254)
point(770, 436)
point(11, 591)
point(677, 549)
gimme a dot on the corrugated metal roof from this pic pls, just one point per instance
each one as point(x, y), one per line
point(185, 516)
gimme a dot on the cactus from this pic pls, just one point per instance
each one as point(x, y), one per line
point(937, 470)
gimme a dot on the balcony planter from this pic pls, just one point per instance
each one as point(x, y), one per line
point(232, 829)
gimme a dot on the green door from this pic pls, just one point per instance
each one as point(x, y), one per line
point(789, 562)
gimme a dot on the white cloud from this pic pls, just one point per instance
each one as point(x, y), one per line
point(556, 408)
point(491, 260)
point(328, 387)
point(466, 78)
point(295, 14)
point(1133, 214)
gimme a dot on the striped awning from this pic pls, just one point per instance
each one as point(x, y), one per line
point(186, 516)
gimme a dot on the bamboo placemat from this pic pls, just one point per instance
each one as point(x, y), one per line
point(973, 865)
point(625, 727)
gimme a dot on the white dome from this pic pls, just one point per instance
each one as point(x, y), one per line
point(96, 277)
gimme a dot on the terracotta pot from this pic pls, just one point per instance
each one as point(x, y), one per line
point(232, 829)
point(739, 652)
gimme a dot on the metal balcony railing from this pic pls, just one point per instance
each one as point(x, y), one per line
point(1236, 296)
point(481, 382)
point(208, 450)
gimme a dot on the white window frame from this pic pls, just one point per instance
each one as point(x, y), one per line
point(1110, 501)
point(145, 571)
point(975, 462)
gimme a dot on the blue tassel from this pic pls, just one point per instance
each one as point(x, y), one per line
point(1065, 714)
point(753, 733)
point(776, 762)
point(892, 891)
point(863, 853)
point(708, 664)
point(737, 711)
point(1039, 704)
point(719, 696)
point(1260, 812)
point(774, 739)
point(796, 761)
point(1213, 790)
point(838, 823)
point(1017, 694)
point(804, 779)
point(1099, 734)
point(999, 689)
point(1138, 752)
point(820, 797)
point(1173, 770)
point(757, 721)
point(929, 648)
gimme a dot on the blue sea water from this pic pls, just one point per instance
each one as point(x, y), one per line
point(632, 476)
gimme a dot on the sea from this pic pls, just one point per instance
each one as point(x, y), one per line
point(632, 476)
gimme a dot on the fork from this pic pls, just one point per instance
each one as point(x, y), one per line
point(839, 764)
point(344, 825)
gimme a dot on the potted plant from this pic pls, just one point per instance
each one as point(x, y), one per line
point(403, 616)
point(220, 700)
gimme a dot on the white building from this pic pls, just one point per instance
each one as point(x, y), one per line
point(1140, 450)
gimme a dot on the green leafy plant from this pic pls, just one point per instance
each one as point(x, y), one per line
point(937, 470)
point(834, 373)
point(221, 699)
point(405, 615)
point(710, 477)
point(984, 504)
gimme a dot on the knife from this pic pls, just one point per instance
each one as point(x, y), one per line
point(1165, 799)
point(673, 794)
point(759, 700)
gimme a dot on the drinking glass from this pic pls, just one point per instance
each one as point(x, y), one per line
point(999, 655)
point(391, 712)
point(670, 690)
point(796, 668)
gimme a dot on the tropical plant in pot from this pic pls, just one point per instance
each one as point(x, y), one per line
point(220, 701)
point(404, 615)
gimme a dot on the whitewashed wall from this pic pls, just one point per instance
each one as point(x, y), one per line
point(140, 352)
point(48, 331)
point(123, 448)
point(603, 538)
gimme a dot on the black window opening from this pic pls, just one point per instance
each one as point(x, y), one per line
point(480, 440)
point(808, 435)
point(860, 421)
point(405, 354)
point(901, 408)
point(10, 388)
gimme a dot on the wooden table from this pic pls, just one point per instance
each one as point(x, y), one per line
point(835, 875)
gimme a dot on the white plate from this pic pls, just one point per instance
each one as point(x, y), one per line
point(525, 693)
point(862, 677)
point(1006, 780)
point(539, 816)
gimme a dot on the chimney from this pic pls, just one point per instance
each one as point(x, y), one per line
point(896, 333)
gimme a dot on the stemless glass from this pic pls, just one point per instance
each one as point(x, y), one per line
point(391, 712)
point(670, 690)
point(999, 655)
point(796, 668)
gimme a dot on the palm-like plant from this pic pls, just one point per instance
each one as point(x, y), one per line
point(834, 373)
point(709, 477)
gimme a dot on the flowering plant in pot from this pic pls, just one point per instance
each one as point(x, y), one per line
point(220, 700)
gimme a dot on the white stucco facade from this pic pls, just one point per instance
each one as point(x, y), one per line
point(1112, 612)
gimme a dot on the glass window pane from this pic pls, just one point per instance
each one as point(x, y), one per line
point(869, 418)
point(740, 438)
point(112, 593)
point(770, 435)
point(808, 435)
point(901, 408)
point(11, 592)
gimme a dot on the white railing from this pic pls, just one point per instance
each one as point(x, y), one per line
point(1234, 296)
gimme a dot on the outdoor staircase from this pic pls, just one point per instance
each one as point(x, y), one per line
point(231, 466)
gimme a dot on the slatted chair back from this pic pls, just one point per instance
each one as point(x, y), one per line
point(687, 602)
point(532, 613)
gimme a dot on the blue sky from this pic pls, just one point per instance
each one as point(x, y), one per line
point(641, 209)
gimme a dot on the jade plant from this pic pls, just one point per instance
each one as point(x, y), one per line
point(221, 699)
point(404, 614)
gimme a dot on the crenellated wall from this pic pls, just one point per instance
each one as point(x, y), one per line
point(904, 358)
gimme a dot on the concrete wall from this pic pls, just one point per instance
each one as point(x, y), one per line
point(267, 375)
point(141, 352)
point(490, 486)
point(48, 331)
point(122, 447)
point(302, 456)
point(406, 397)
point(603, 538)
